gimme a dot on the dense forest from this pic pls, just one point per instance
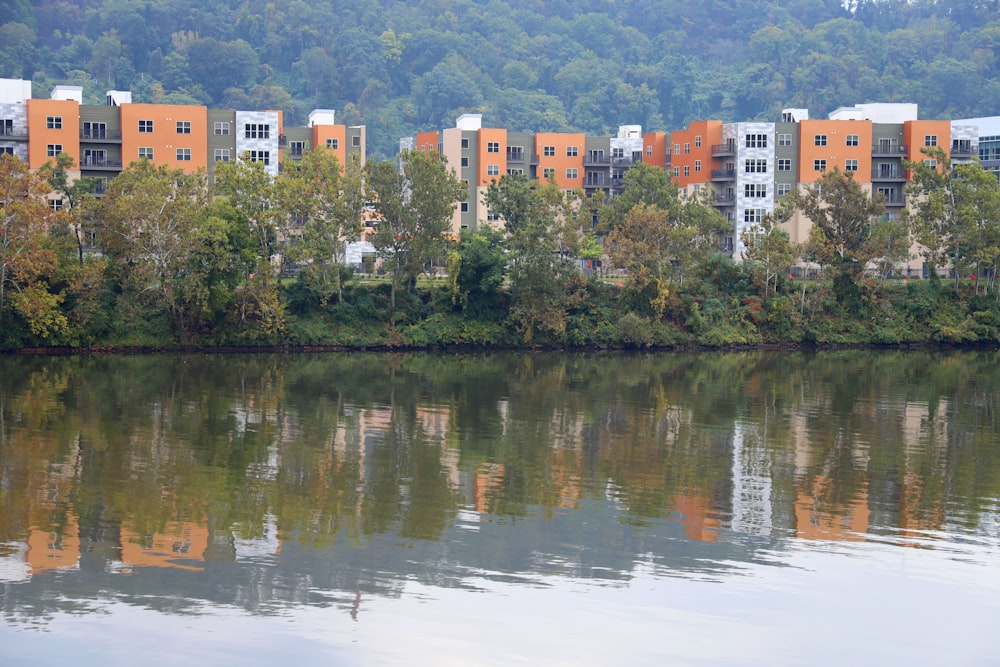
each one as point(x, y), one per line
point(587, 65)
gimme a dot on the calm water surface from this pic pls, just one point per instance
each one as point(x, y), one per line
point(748, 508)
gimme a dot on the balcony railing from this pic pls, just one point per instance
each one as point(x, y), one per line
point(725, 199)
point(892, 150)
point(15, 133)
point(100, 135)
point(100, 163)
point(894, 200)
point(963, 150)
point(723, 174)
point(889, 175)
point(719, 150)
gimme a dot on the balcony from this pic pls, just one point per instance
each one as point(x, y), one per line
point(100, 163)
point(724, 199)
point(963, 150)
point(101, 135)
point(889, 175)
point(724, 174)
point(724, 150)
point(515, 156)
point(894, 201)
point(16, 134)
point(893, 150)
point(595, 159)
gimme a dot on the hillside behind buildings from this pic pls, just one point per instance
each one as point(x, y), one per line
point(526, 65)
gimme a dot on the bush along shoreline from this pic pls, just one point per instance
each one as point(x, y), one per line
point(718, 308)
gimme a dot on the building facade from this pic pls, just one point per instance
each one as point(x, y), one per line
point(104, 139)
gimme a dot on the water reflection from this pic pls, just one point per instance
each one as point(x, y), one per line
point(170, 482)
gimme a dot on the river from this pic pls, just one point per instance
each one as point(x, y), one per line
point(739, 508)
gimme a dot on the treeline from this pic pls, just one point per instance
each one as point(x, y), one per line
point(251, 260)
point(400, 67)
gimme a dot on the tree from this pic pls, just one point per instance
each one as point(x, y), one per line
point(768, 252)
point(542, 281)
point(26, 253)
point(75, 196)
point(251, 192)
point(842, 214)
point(324, 204)
point(644, 184)
point(956, 214)
point(477, 269)
point(151, 222)
point(414, 203)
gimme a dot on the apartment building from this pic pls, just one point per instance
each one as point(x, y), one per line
point(754, 165)
point(104, 139)
point(574, 160)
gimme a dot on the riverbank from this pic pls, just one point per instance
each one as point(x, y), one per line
point(715, 310)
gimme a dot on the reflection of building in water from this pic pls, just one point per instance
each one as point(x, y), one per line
point(820, 515)
point(752, 510)
point(54, 547)
point(178, 545)
point(700, 521)
point(488, 486)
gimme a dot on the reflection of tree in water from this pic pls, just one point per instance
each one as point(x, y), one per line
point(266, 458)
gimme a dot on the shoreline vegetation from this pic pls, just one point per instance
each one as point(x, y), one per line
point(254, 263)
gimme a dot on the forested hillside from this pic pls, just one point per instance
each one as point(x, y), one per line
point(541, 65)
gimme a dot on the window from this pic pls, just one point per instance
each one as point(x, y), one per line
point(852, 140)
point(784, 140)
point(819, 165)
point(697, 140)
point(6, 150)
point(930, 140)
point(53, 150)
point(183, 127)
point(697, 165)
point(221, 128)
point(465, 144)
point(931, 163)
point(333, 144)
point(819, 140)
point(617, 152)
point(756, 141)
point(687, 148)
point(6, 127)
point(184, 154)
point(687, 170)
point(53, 122)
point(465, 207)
point(572, 172)
point(515, 153)
point(515, 172)
point(222, 155)
point(784, 164)
point(492, 146)
point(260, 156)
point(95, 130)
point(492, 170)
point(851, 165)
point(572, 151)
point(145, 152)
point(548, 173)
point(465, 161)
point(297, 148)
point(145, 126)
point(257, 131)
point(782, 189)
point(677, 171)
point(754, 190)
point(753, 216)
point(56, 204)
point(677, 149)
point(649, 151)
point(549, 151)
point(756, 166)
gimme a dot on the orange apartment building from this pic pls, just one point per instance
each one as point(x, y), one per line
point(104, 139)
